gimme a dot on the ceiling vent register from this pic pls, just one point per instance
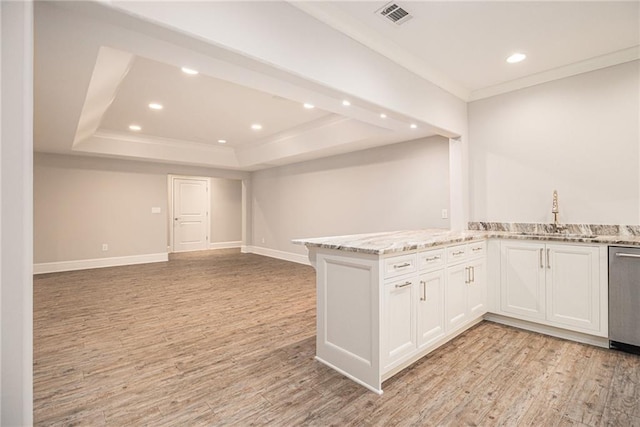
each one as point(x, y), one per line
point(394, 13)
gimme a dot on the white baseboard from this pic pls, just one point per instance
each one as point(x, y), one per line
point(225, 245)
point(549, 330)
point(273, 253)
point(84, 264)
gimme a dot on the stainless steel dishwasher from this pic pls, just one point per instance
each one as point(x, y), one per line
point(624, 298)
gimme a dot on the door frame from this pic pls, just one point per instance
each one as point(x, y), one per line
point(170, 224)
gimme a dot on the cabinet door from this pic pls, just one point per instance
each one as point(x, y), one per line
point(573, 295)
point(456, 312)
point(477, 289)
point(430, 307)
point(522, 285)
point(399, 320)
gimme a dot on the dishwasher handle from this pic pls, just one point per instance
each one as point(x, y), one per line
point(624, 255)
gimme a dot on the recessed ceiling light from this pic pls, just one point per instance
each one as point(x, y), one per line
point(222, 141)
point(155, 106)
point(135, 127)
point(308, 106)
point(516, 57)
point(256, 126)
point(413, 126)
point(383, 116)
point(346, 103)
point(189, 71)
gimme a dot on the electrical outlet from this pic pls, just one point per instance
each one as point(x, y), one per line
point(263, 240)
point(445, 214)
point(105, 247)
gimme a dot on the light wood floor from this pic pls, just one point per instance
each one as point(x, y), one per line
point(223, 338)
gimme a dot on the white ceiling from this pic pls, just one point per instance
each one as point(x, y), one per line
point(463, 44)
point(95, 76)
point(200, 108)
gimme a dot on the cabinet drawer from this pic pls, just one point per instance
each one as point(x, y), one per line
point(431, 259)
point(477, 249)
point(455, 253)
point(398, 265)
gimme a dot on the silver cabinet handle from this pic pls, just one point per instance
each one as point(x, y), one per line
point(403, 285)
point(548, 262)
point(467, 279)
point(541, 262)
point(623, 255)
point(406, 264)
point(424, 290)
point(476, 249)
point(473, 274)
point(433, 258)
point(457, 253)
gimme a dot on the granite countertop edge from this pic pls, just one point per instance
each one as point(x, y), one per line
point(392, 242)
point(404, 241)
point(573, 238)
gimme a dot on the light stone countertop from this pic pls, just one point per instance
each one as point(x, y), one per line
point(392, 241)
point(400, 241)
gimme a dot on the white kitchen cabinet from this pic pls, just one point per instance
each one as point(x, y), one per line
point(553, 284)
point(466, 287)
point(456, 311)
point(399, 320)
point(430, 307)
point(477, 288)
point(522, 290)
point(399, 265)
point(573, 286)
point(413, 308)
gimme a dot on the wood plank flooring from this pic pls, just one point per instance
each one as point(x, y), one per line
point(223, 338)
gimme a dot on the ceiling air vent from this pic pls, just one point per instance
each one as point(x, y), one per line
point(394, 13)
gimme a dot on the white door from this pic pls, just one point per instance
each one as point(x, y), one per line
point(190, 214)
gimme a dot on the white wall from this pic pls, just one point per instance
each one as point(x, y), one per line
point(225, 211)
point(16, 152)
point(579, 135)
point(82, 202)
point(77, 210)
point(401, 186)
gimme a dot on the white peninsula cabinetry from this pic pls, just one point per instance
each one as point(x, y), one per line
point(385, 300)
point(554, 284)
point(380, 312)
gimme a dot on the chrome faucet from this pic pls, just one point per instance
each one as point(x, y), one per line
point(557, 227)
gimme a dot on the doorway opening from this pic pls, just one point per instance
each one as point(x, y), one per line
point(205, 213)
